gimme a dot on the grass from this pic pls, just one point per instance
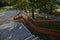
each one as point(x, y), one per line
point(3, 9)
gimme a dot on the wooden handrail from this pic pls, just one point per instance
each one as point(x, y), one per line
point(51, 32)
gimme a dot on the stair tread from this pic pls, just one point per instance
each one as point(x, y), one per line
point(30, 37)
point(36, 38)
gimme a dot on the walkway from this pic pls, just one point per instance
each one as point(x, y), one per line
point(5, 16)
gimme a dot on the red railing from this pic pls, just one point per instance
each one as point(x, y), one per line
point(51, 32)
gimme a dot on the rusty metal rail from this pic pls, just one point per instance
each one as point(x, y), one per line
point(45, 20)
point(51, 32)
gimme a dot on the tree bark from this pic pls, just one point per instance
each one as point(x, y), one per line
point(33, 10)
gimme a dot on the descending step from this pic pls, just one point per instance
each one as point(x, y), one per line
point(30, 38)
point(36, 38)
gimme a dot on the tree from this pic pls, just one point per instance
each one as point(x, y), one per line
point(32, 2)
point(44, 6)
point(23, 5)
point(3, 3)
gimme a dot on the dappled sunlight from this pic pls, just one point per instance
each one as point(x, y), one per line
point(58, 10)
point(8, 7)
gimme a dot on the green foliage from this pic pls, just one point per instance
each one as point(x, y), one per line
point(3, 3)
point(45, 6)
point(21, 4)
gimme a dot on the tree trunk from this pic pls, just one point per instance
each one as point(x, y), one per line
point(33, 10)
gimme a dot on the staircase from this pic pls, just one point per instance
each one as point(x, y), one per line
point(15, 31)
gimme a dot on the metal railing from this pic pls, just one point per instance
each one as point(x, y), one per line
point(55, 33)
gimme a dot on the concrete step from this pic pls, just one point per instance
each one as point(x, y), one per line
point(30, 37)
point(36, 38)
